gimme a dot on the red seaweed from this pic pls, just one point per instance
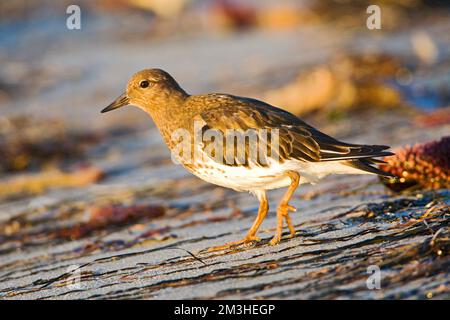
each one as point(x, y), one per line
point(426, 166)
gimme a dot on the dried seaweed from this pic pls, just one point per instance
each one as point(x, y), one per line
point(101, 217)
point(436, 118)
point(35, 183)
point(344, 83)
point(33, 143)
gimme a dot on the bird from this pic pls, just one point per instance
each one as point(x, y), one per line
point(303, 154)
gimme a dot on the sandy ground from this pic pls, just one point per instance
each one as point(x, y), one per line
point(344, 224)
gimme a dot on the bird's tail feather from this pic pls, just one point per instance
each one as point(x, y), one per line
point(366, 165)
point(345, 151)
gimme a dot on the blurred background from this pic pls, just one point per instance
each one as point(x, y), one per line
point(61, 160)
point(316, 59)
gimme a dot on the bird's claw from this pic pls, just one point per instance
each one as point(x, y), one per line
point(228, 245)
point(275, 240)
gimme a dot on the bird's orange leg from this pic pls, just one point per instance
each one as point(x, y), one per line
point(284, 208)
point(251, 234)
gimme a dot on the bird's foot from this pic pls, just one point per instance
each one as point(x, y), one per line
point(229, 245)
point(285, 208)
point(283, 212)
point(275, 240)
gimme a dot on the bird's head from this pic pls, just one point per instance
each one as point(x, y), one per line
point(149, 90)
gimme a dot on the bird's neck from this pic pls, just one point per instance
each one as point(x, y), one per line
point(171, 115)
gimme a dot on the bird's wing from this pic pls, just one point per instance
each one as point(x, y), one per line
point(297, 140)
point(242, 116)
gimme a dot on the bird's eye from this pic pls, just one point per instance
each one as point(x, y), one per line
point(144, 84)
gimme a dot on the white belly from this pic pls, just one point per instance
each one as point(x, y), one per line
point(273, 176)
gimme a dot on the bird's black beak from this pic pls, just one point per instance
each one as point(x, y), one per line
point(121, 101)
